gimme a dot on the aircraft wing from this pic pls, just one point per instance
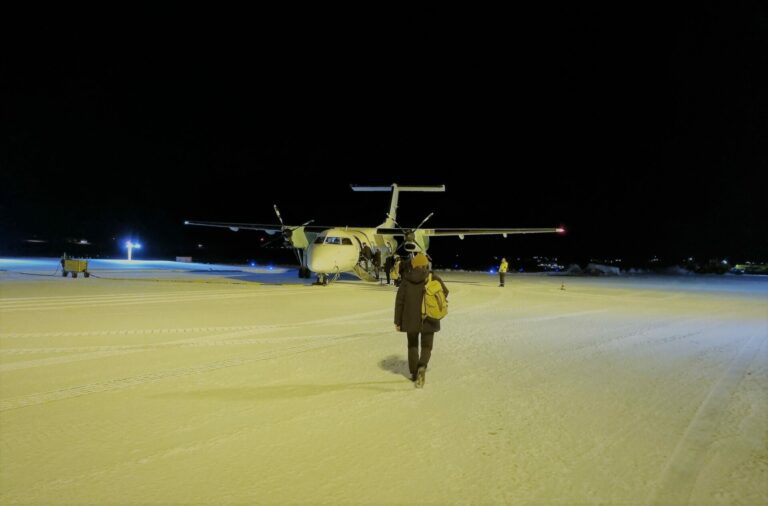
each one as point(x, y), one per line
point(270, 229)
point(461, 232)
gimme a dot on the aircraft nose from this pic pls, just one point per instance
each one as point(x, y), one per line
point(319, 260)
point(317, 266)
point(326, 259)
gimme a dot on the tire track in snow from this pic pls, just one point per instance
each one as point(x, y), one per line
point(128, 332)
point(149, 299)
point(55, 298)
point(200, 341)
point(43, 302)
point(561, 315)
point(230, 337)
point(682, 470)
point(133, 381)
point(674, 391)
point(185, 330)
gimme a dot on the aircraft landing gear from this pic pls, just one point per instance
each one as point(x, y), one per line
point(322, 279)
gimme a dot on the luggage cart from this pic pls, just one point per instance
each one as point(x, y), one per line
point(74, 266)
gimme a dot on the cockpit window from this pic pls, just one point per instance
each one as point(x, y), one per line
point(333, 240)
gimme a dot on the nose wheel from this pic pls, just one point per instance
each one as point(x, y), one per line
point(325, 279)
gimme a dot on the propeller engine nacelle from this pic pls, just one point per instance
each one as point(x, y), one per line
point(410, 241)
point(411, 247)
point(290, 239)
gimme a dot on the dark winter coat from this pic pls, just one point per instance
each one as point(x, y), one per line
point(408, 302)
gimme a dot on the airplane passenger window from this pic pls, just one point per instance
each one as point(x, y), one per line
point(346, 241)
point(333, 240)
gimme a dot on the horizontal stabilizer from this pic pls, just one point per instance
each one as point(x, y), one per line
point(396, 189)
point(432, 188)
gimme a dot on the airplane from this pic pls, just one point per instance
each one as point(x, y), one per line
point(331, 251)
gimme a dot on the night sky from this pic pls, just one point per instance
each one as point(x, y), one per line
point(643, 133)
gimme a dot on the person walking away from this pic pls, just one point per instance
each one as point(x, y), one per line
point(388, 264)
point(503, 267)
point(396, 278)
point(408, 317)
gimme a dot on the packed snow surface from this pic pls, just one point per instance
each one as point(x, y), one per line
point(191, 384)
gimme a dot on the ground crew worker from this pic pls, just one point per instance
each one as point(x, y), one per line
point(503, 271)
point(396, 271)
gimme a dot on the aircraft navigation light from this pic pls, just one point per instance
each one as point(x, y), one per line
point(560, 230)
point(131, 246)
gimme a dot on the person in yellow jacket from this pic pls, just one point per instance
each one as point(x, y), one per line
point(503, 267)
point(396, 271)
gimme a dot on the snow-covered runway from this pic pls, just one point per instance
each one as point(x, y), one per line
point(185, 386)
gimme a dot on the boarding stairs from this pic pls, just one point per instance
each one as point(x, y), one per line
point(366, 271)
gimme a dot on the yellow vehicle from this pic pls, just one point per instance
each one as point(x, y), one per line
point(73, 266)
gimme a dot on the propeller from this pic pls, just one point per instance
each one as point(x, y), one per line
point(285, 232)
point(410, 244)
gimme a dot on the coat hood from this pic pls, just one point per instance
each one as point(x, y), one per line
point(416, 275)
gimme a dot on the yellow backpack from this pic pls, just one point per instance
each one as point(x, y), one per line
point(434, 305)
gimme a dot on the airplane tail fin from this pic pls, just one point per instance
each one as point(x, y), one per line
point(395, 189)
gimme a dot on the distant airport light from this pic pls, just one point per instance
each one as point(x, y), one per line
point(131, 246)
